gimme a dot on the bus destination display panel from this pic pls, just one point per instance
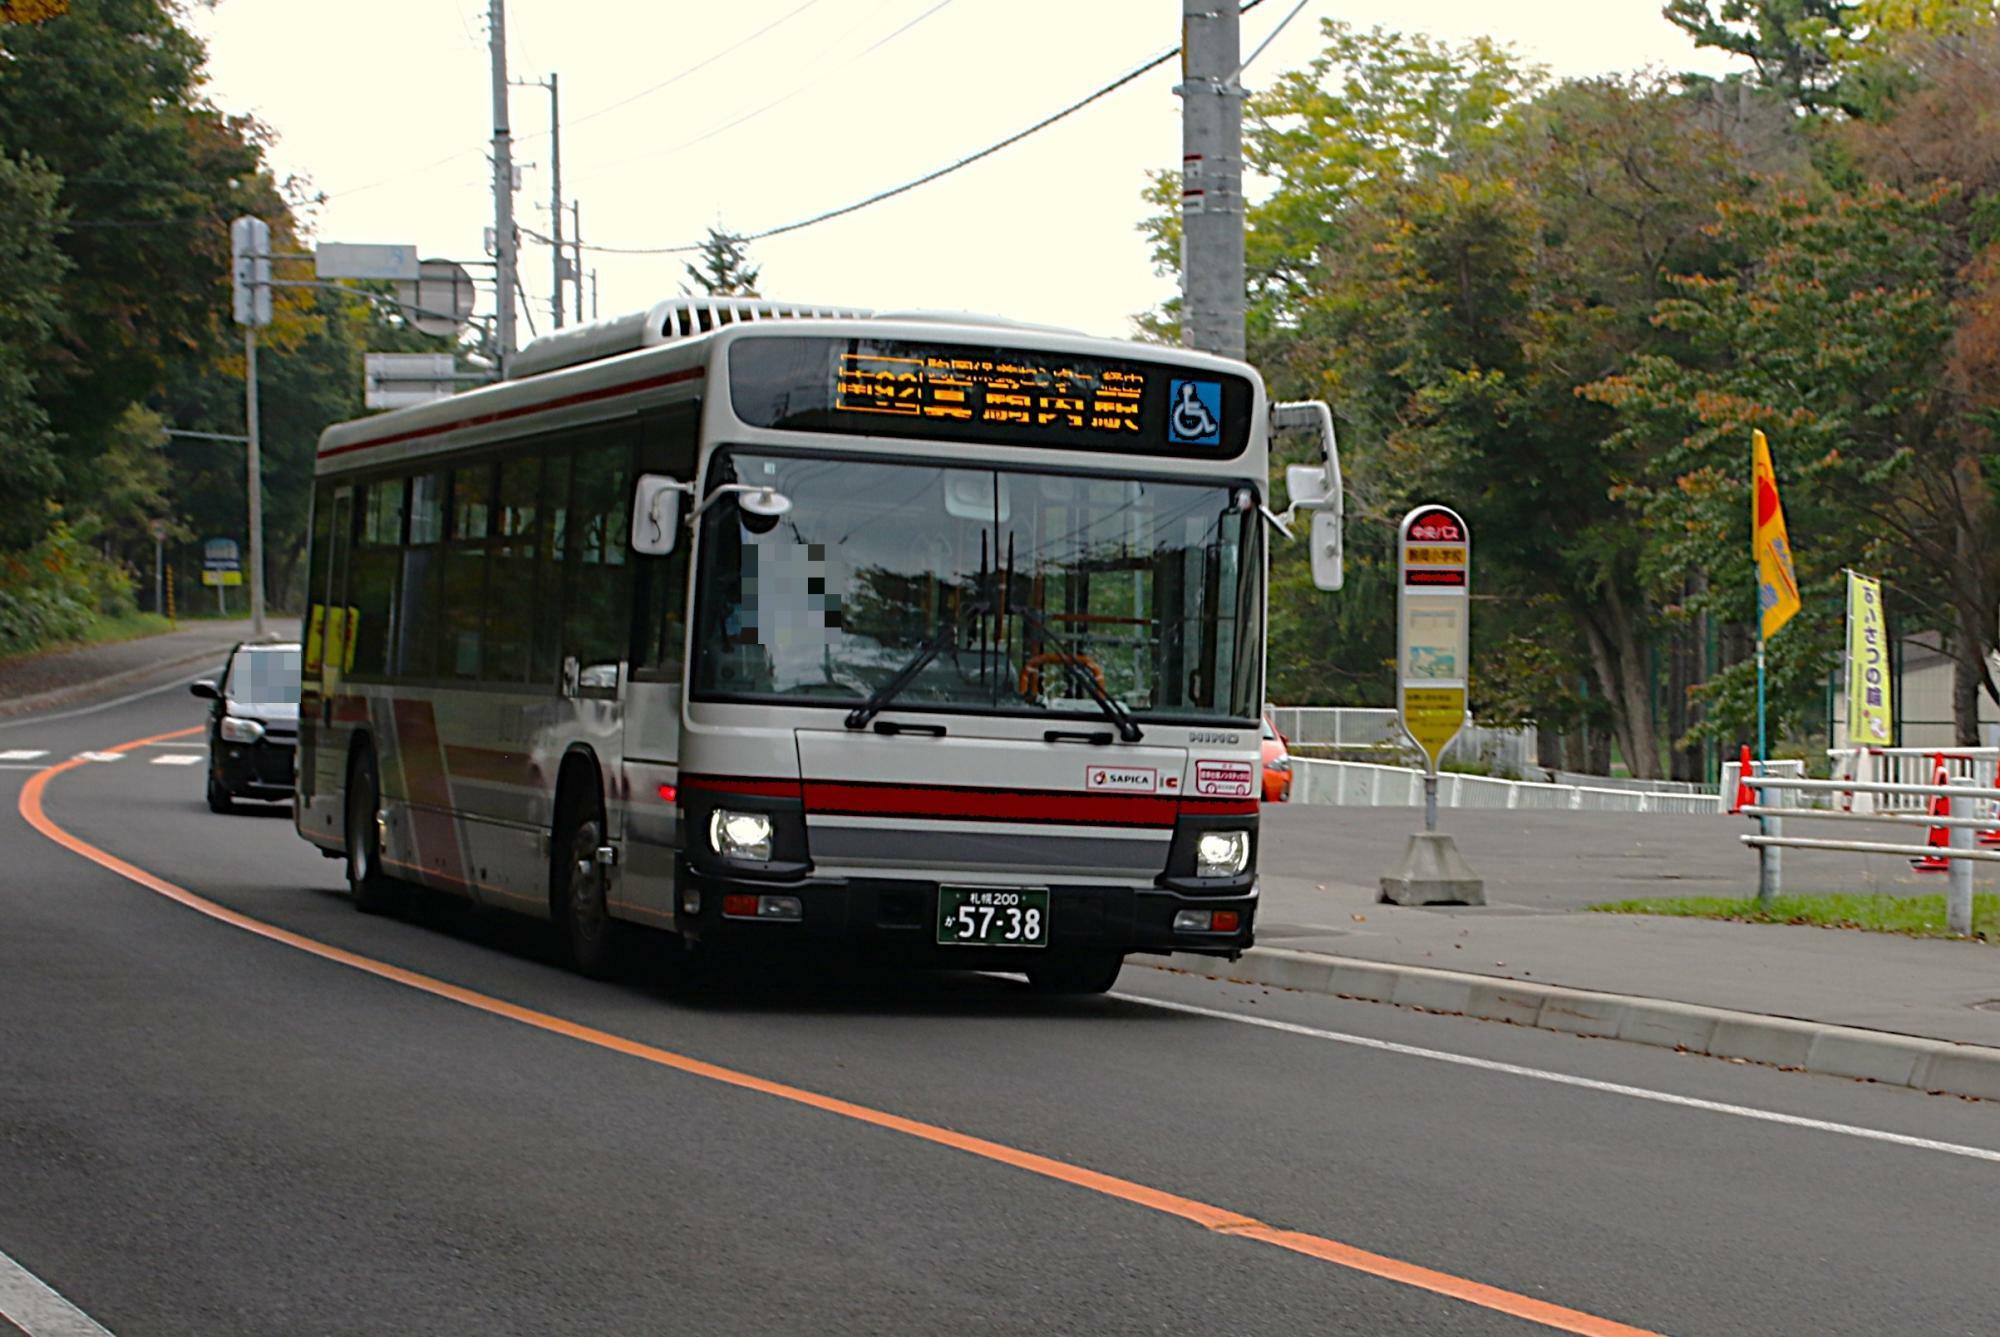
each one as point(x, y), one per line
point(1011, 396)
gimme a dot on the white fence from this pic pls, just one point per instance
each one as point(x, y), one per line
point(1360, 784)
point(1359, 727)
point(1905, 766)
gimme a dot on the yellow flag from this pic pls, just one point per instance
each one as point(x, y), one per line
point(1777, 587)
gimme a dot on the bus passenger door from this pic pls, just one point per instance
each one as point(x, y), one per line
point(653, 688)
point(321, 756)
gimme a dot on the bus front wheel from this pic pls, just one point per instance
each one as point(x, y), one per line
point(373, 891)
point(583, 919)
point(1082, 972)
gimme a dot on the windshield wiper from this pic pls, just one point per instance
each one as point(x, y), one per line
point(1128, 728)
point(946, 636)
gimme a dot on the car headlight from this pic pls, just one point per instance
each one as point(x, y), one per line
point(1221, 853)
point(740, 835)
point(240, 731)
point(1278, 764)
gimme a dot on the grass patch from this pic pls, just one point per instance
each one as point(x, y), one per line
point(1916, 916)
point(102, 631)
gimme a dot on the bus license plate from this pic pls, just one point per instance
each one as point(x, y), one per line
point(993, 916)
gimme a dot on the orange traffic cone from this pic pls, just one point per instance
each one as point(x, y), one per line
point(1939, 837)
point(1745, 796)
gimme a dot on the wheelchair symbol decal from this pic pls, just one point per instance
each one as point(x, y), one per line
point(1194, 415)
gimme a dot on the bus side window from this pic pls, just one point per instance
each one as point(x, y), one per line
point(659, 607)
point(372, 586)
point(598, 563)
point(510, 616)
point(465, 564)
point(417, 614)
point(545, 656)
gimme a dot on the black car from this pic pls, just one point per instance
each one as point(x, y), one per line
point(253, 727)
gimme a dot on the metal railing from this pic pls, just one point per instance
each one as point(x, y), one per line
point(1905, 766)
point(1968, 809)
point(1361, 784)
point(1369, 728)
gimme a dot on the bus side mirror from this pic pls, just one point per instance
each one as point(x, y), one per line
point(1329, 572)
point(656, 514)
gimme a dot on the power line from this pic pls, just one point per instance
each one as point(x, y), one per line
point(928, 177)
point(587, 116)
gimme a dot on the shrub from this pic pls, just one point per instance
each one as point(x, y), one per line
point(56, 590)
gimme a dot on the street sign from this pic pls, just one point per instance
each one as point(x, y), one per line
point(344, 260)
point(221, 562)
point(158, 529)
point(439, 298)
point(397, 380)
point(250, 271)
point(1433, 627)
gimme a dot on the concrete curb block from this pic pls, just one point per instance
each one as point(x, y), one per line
point(1936, 1066)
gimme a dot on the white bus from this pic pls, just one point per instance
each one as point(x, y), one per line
point(937, 638)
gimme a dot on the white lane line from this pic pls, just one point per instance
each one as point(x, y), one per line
point(100, 756)
point(178, 684)
point(1583, 1083)
point(23, 754)
point(30, 1305)
point(174, 745)
point(179, 759)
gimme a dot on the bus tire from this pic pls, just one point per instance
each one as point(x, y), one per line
point(1077, 973)
point(374, 892)
point(583, 918)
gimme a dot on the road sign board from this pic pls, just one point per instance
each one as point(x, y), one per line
point(250, 271)
point(396, 380)
point(439, 298)
point(221, 562)
point(1433, 626)
point(348, 260)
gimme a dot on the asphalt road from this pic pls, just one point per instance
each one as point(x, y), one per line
point(205, 1130)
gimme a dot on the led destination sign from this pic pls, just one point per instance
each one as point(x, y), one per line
point(876, 387)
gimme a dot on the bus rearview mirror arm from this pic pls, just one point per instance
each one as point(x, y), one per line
point(1316, 489)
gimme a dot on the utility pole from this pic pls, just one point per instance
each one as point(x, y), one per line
point(1211, 178)
point(250, 281)
point(503, 191)
point(556, 247)
point(576, 232)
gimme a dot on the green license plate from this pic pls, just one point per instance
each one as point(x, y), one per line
point(993, 916)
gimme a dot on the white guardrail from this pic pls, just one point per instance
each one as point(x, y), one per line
point(1969, 807)
point(1361, 784)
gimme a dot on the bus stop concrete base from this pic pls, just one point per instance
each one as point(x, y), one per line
point(1433, 872)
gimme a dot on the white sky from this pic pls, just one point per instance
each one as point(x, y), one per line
point(369, 95)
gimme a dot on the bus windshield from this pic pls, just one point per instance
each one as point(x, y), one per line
point(1012, 582)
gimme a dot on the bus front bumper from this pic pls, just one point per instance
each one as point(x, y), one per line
point(897, 919)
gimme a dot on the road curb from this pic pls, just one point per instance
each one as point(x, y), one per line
point(1940, 1067)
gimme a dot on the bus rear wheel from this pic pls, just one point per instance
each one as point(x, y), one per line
point(374, 892)
point(583, 919)
point(1080, 972)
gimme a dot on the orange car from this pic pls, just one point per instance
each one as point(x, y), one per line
point(1277, 765)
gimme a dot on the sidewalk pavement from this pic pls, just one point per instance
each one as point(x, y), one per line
point(90, 672)
point(1917, 1012)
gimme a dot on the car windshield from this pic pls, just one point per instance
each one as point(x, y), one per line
point(1018, 582)
point(267, 676)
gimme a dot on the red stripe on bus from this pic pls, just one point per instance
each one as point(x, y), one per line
point(850, 799)
point(862, 798)
point(524, 410)
point(731, 784)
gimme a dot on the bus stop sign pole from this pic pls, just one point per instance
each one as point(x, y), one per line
point(1433, 641)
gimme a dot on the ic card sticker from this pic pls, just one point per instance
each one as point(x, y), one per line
point(1224, 779)
point(1121, 779)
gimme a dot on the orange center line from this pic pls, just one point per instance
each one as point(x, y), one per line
point(1217, 1219)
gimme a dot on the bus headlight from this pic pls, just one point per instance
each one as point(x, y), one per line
point(234, 730)
point(740, 835)
point(1221, 853)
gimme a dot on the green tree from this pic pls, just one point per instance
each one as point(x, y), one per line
point(31, 271)
point(725, 269)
